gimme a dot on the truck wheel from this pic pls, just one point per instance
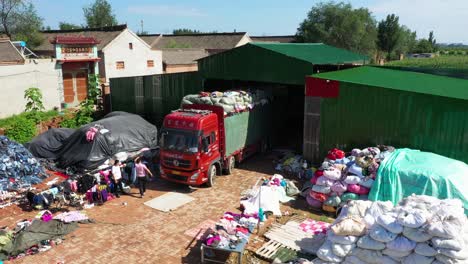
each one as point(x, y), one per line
point(230, 166)
point(211, 176)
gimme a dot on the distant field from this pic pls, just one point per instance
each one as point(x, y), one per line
point(450, 61)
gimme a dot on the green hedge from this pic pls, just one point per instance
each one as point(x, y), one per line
point(23, 127)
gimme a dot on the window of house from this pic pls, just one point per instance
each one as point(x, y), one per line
point(120, 65)
point(130, 45)
point(150, 63)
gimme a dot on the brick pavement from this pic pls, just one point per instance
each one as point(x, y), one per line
point(139, 234)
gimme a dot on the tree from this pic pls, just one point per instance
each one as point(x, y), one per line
point(68, 26)
point(185, 31)
point(407, 42)
point(20, 21)
point(388, 34)
point(99, 14)
point(432, 40)
point(424, 46)
point(338, 24)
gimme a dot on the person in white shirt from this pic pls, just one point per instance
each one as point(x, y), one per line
point(117, 178)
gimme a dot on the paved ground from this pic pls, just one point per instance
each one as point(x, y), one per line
point(136, 233)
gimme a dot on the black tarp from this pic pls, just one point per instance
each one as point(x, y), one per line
point(47, 144)
point(127, 133)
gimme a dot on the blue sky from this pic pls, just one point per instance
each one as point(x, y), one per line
point(448, 19)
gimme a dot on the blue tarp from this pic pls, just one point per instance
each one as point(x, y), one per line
point(408, 171)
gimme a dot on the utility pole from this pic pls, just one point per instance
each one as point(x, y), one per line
point(141, 32)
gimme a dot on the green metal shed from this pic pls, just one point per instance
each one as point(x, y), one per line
point(283, 63)
point(372, 105)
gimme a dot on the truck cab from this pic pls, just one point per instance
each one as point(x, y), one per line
point(190, 147)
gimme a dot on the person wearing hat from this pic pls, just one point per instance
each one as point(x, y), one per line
point(141, 173)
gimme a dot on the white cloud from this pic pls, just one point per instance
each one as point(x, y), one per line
point(447, 18)
point(166, 10)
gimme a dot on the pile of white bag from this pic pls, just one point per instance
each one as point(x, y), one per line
point(419, 230)
point(230, 101)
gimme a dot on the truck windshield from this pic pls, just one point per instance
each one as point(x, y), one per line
point(179, 140)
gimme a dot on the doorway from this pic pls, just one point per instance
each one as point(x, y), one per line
point(75, 87)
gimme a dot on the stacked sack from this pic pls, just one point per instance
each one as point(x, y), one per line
point(341, 179)
point(18, 168)
point(420, 230)
point(230, 101)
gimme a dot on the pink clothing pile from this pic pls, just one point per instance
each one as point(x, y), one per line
point(314, 227)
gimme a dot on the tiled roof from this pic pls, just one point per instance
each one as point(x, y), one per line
point(182, 56)
point(215, 41)
point(8, 53)
point(274, 39)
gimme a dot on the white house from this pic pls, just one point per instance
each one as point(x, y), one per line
point(121, 52)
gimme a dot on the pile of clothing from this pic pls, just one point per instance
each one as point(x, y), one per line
point(269, 195)
point(231, 230)
point(344, 177)
point(18, 167)
point(291, 162)
point(420, 229)
point(230, 101)
point(39, 234)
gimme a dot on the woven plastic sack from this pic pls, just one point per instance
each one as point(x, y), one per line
point(344, 240)
point(313, 202)
point(367, 183)
point(358, 208)
point(325, 253)
point(416, 234)
point(381, 234)
point(443, 228)
point(357, 189)
point(349, 196)
point(417, 259)
point(366, 242)
point(453, 244)
point(355, 169)
point(389, 222)
point(324, 181)
point(228, 101)
point(455, 254)
point(425, 249)
point(332, 174)
point(349, 226)
point(321, 189)
point(401, 243)
point(351, 179)
point(412, 218)
point(377, 208)
point(396, 254)
point(353, 260)
point(333, 201)
point(342, 250)
point(314, 179)
point(372, 257)
point(339, 187)
point(318, 196)
point(328, 208)
point(446, 260)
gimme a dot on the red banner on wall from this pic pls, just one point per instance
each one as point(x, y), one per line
point(316, 87)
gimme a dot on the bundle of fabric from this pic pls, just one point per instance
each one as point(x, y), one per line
point(230, 101)
point(18, 168)
point(420, 229)
point(231, 230)
point(269, 195)
point(344, 177)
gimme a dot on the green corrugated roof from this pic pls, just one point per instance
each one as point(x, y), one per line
point(401, 80)
point(315, 53)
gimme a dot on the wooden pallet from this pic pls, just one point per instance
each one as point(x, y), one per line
point(269, 249)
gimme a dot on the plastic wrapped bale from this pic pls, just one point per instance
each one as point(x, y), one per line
point(321, 189)
point(344, 240)
point(333, 201)
point(372, 257)
point(401, 243)
point(389, 222)
point(313, 202)
point(366, 242)
point(325, 253)
point(416, 234)
point(377, 208)
point(18, 167)
point(349, 226)
point(413, 218)
point(342, 250)
point(425, 249)
point(379, 233)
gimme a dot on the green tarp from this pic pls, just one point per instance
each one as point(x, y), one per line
point(408, 171)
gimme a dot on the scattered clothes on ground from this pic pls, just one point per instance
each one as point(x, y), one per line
point(231, 230)
point(420, 229)
point(19, 169)
point(72, 216)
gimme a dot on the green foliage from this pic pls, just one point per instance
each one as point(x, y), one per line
point(388, 34)
point(21, 129)
point(432, 40)
point(174, 45)
point(407, 41)
point(33, 98)
point(339, 25)
point(449, 61)
point(99, 14)
point(424, 46)
point(68, 26)
point(20, 21)
point(185, 31)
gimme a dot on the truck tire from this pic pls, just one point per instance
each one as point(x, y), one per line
point(231, 164)
point(211, 176)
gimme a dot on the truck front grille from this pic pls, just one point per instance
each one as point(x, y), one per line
point(181, 163)
point(177, 177)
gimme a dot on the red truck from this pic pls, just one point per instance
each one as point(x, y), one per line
point(199, 142)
